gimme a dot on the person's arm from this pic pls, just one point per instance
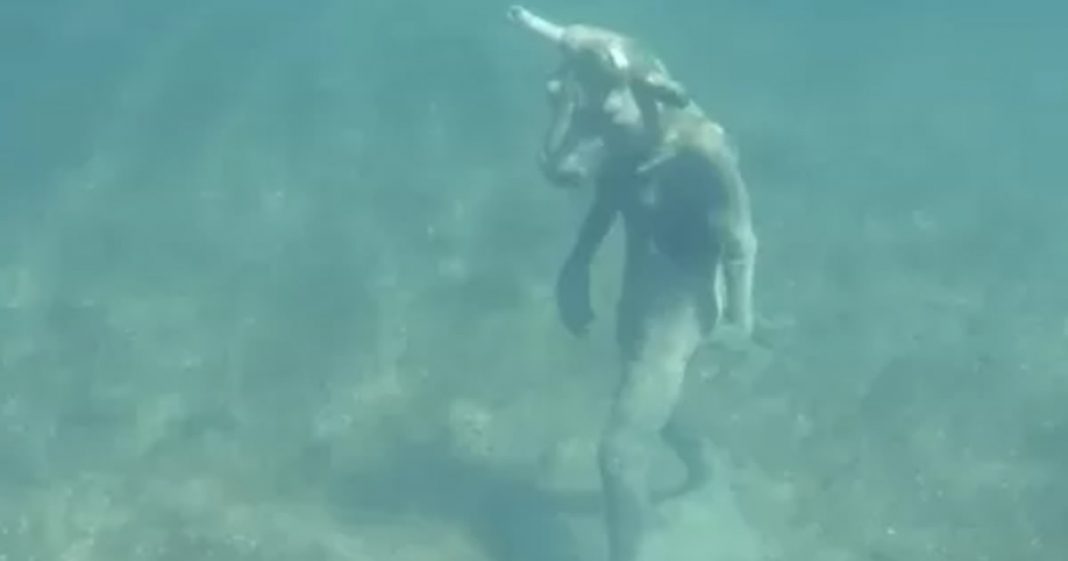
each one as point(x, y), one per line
point(573, 284)
point(595, 227)
point(739, 241)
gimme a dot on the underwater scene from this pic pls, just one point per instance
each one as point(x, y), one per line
point(411, 280)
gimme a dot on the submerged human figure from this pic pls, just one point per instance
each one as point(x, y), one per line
point(659, 164)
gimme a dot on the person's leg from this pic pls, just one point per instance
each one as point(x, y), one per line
point(660, 331)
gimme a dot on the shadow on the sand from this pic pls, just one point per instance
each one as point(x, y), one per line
point(506, 514)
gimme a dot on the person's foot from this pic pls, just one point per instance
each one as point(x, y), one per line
point(699, 461)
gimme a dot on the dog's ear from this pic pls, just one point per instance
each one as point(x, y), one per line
point(599, 53)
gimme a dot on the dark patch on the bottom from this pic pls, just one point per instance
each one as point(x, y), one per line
point(510, 518)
